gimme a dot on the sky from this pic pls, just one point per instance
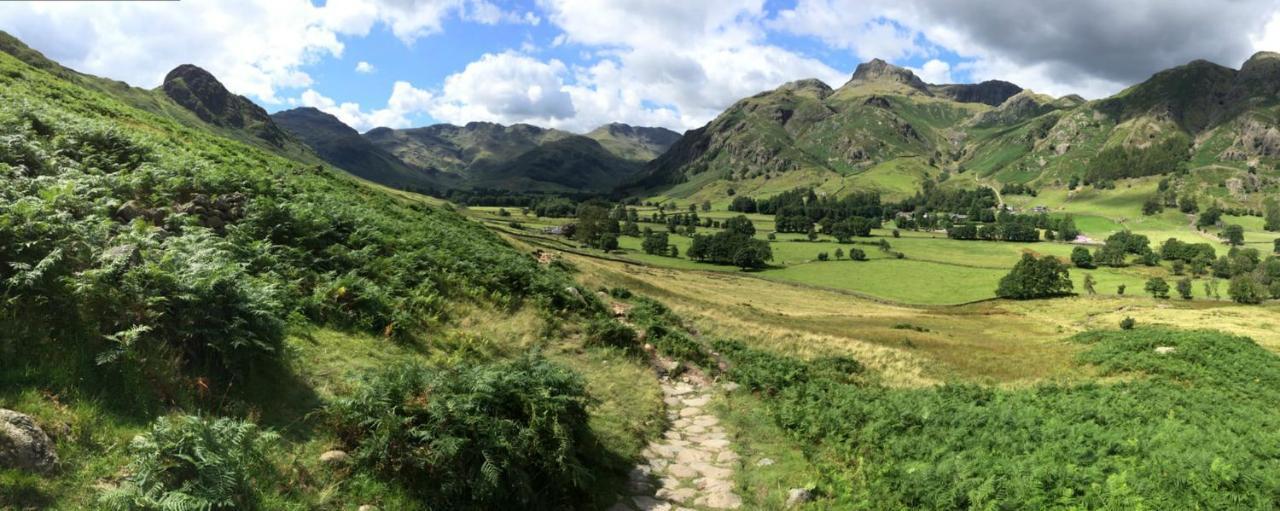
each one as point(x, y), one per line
point(578, 64)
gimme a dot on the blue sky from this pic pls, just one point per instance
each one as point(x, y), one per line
point(577, 64)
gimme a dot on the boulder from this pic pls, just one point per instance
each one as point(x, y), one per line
point(334, 457)
point(797, 496)
point(23, 445)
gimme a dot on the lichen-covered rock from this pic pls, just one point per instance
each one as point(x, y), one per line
point(23, 445)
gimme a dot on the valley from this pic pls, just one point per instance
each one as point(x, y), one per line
point(889, 294)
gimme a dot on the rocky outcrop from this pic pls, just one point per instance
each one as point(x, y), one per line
point(812, 87)
point(23, 445)
point(990, 92)
point(1254, 139)
point(200, 92)
point(877, 70)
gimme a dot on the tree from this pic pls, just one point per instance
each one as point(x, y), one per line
point(1271, 219)
point(1244, 289)
point(1178, 267)
point(1233, 234)
point(1120, 289)
point(839, 253)
point(740, 225)
point(752, 255)
point(1081, 257)
point(1035, 278)
point(1184, 288)
point(812, 234)
point(595, 227)
point(1209, 218)
point(884, 245)
point(822, 256)
point(631, 229)
point(1089, 282)
point(1152, 206)
point(1187, 204)
point(1276, 245)
point(706, 206)
point(1158, 288)
point(856, 254)
point(655, 243)
point(743, 204)
point(1128, 323)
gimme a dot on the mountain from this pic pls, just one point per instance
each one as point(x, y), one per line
point(252, 127)
point(344, 147)
point(525, 157)
point(887, 130)
point(634, 142)
point(198, 91)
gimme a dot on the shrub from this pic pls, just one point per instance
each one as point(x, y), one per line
point(646, 312)
point(677, 345)
point(857, 254)
point(194, 463)
point(1157, 287)
point(607, 332)
point(509, 435)
point(1127, 323)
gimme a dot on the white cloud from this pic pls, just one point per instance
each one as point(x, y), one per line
point(405, 102)
point(506, 87)
point(255, 47)
point(671, 63)
point(934, 71)
point(364, 67)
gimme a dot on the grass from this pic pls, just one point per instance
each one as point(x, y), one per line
point(902, 280)
point(756, 437)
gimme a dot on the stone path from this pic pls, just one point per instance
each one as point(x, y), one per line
point(692, 465)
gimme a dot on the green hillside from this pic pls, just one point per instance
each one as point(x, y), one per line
point(194, 320)
point(343, 147)
point(1204, 125)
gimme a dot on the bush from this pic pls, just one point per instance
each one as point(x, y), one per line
point(194, 463)
point(607, 332)
point(1127, 323)
point(511, 435)
point(857, 254)
point(677, 345)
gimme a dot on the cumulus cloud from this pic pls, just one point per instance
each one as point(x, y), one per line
point(405, 102)
point(1094, 47)
point(255, 47)
point(506, 87)
point(364, 67)
point(672, 63)
point(934, 71)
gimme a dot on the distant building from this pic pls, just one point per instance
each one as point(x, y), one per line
point(1039, 209)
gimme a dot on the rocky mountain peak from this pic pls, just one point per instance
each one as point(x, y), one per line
point(810, 86)
point(200, 92)
point(879, 70)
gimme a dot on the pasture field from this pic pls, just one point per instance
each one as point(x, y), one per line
point(934, 269)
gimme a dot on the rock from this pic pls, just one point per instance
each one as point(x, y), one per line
point(129, 211)
point(646, 503)
point(764, 462)
point(368, 507)
point(23, 445)
point(797, 496)
point(334, 457)
point(123, 256)
point(1165, 350)
point(729, 386)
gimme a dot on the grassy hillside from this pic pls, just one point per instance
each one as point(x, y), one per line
point(1210, 129)
point(194, 320)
